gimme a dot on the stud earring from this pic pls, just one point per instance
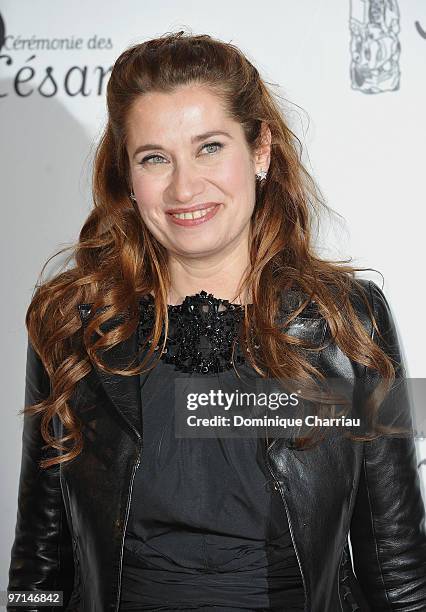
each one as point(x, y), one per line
point(132, 196)
point(261, 175)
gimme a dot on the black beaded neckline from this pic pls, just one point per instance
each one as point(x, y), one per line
point(202, 331)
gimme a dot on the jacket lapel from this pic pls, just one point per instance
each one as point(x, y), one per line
point(122, 391)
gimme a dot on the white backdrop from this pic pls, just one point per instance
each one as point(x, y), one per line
point(364, 148)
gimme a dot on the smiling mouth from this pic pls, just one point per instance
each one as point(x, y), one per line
point(197, 214)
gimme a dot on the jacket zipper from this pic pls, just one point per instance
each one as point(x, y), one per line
point(338, 579)
point(268, 448)
point(278, 485)
point(126, 518)
point(135, 467)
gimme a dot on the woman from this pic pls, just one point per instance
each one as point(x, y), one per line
point(115, 510)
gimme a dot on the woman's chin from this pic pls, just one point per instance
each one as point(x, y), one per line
point(198, 248)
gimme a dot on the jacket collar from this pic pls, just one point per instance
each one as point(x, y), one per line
point(124, 391)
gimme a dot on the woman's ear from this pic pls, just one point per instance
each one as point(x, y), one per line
point(263, 152)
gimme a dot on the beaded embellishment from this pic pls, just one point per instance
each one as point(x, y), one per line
point(201, 332)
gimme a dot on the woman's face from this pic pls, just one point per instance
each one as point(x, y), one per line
point(176, 166)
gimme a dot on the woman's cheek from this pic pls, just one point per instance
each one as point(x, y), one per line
point(234, 175)
point(148, 193)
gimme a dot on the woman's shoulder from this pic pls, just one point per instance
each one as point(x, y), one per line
point(365, 296)
point(369, 299)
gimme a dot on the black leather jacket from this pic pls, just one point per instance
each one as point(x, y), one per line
point(71, 520)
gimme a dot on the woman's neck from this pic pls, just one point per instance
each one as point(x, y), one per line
point(220, 277)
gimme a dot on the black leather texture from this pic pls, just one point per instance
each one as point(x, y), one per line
point(71, 519)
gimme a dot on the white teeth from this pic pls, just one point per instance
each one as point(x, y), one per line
point(194, 215)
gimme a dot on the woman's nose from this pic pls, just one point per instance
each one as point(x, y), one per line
point(186, 183)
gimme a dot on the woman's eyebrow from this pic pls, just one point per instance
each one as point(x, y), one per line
point(198, 138)
point(209, 134)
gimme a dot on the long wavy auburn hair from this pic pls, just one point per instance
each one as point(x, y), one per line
point(117, 260)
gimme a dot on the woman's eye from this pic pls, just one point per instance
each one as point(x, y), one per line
point(208, 144)
point(145, 159)
point(213, 144)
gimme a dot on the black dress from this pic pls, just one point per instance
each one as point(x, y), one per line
point(206, 530)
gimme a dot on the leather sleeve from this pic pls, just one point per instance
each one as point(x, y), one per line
point(388, 534)
point(41, 554)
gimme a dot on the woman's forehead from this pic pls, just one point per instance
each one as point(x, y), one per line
point(159, 119)
point(182, 105)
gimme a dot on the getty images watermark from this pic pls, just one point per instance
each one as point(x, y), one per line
point(208, 407)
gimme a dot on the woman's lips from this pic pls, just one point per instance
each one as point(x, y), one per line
point(207, 214)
